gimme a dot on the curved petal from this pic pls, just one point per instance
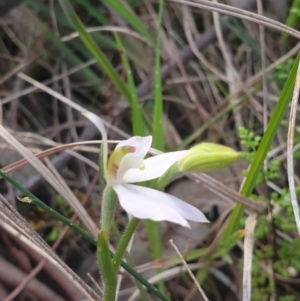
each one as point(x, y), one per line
point(153, 167)
point(129, 161)
point(141, 144)
point(128, 154)
point(147, 203)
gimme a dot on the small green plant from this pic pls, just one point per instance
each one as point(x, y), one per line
point(280, 73)
point(284, 254)
point(251, 141)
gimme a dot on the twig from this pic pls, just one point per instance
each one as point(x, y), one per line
point(202, 41)
point(241, 14)
point(15, 223)
point(12, 276)
point(225, 192)
point(189, 271)
point(263, 63)
point(290, 144)
point(49, 177)
point(41, 264)
point(248, 255)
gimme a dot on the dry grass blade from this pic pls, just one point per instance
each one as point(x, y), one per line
point(107, 28)
point(189, 271)
point(248, 255)
point(11, 220)
point(62, 98)
point(19, 164)
point(263, 66)
point(225, 192)
point(169, 274)
point(241, 14)
point(54, 79)
point(51, 179)
point(290, 145)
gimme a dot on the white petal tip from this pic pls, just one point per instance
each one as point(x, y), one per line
point(187, 225)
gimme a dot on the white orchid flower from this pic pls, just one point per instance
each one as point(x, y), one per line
point(127, 165)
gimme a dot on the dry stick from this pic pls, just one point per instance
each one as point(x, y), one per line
point(189, 271)
point(241, 14)
point(21, 228)
point(23, 162)
point(49, 177)
point(188, 87)
point(54, 79)
point(11, 276)
point(263, 65)
point(171, 273)
point(41, 264)
point(248, 255)
point(231, 72)
point(235, 74)
point(108, 28)
point(187, 24)
point(40, 155)
point(225, 192)
point(289, 151)
point(202, 41)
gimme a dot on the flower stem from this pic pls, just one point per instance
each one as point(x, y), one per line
point(108, 274)
point(108, 210)
point(123, 244)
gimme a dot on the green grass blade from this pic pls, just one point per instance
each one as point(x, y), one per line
point(263, 149)
point(138, 127)
point(129, 17)
point(73, 59)
point(36, 201)
point(157, 130)
point(293, 18)
point(93, 11)
point(94, 49)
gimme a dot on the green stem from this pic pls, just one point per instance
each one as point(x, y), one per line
point(108, 210)
point(108, 274)
point(123, 244)
point(109, 277)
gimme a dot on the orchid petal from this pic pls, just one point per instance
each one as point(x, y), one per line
point(129, 161)
point(147, 203)
point(141, 144)
point(128, 154)
point(153, 167)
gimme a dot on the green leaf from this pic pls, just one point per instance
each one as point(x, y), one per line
point(138, 127)
point(129, 17)
point(94, 49)
point(263, 149)
point(157, 131)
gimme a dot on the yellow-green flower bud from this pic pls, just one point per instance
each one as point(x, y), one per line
point(206, 157)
